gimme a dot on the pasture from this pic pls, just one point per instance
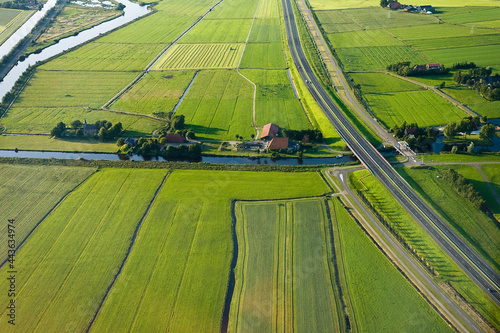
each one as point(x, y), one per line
point(27, 194)
point(378, 57)
point(438, 31)
point(218, 31)
point(483, 56)
point(155, 92)
point(284, 265)
point(219, 106)
point(451, 43)
point(470, 15)
point(476, 102)
point(374, 18)
point(193, 8)
point(379, 83)
point(177, 274)
point(200, 56)
point(363, 38)
point(72, 257)
point(264, 56)
point(276, 101)
point(340, 4)
point(474, 226)
point(235, 9)
point(415, 236)
point(45, 143)
point(382, 300)
point(422, 107)
point(11, 20)
point(265, 30)
point(493, 176)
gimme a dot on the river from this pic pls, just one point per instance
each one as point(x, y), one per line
point(132, 11)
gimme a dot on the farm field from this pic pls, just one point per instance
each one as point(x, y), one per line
point(218, 31)
point(264, 56)
point(438, 31)
point(422, 107)
point(276, 101)
point(380, 83)
point(42, 120)
point(382, 299)
point(473, 100)
point(363, 38)
point(284, 263)
point(473, 225)
point(44, 142)
point(340, 4)
point(265, 30)
point(180, 262)
point(62, 283)
point(155, 92)
point(28, 193)
point(469, 14)
point(219, 106)
point(200, 56)
point(193, 8)
point(11, 20)
point(450, 43)
point(235, 9)
point(493, 176)
point(483, 56)
point(424, 246)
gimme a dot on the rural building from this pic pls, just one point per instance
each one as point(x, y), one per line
point(282, 143)
point(426, 9)
point(269, 131)
point(434, 67)
point(411, 131)
point(420, 68)
point(89, 129)
point(175, 138)
point(394, 5)
point(131, 142)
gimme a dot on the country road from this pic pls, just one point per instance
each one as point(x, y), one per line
point(472, 264)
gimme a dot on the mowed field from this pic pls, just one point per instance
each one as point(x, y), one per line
point(219, 106)
point(284, 274)
point(424, 246)
point(27, 194)
point(11, 20)
point(177, 274)
point(382, 300)
point(70, 260)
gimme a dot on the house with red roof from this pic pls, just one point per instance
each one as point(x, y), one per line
point(175, 138)
point(269, 131)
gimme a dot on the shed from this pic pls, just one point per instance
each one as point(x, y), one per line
point(175, 138)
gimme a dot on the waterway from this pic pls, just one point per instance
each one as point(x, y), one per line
point(204, 159)
point(132, 11)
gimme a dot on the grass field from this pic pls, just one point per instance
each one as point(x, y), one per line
point(422, 107)
point(469, 14)
point(383, 300)
point(447, 157)
point(117, 57)
point(219, 106)
point(11, 20)
point(473, 225)
point(200, 56)
point(285, 276)
point(472, 99)
point(450, 43)
point(414, 235)
point(31, 142)
point(363, 38)
point(276, 101)
point(438, 31)
point(27, 194)
point(235, 9)
point(378, 57)
point(155, 92)
point(177, 273)
point(218, 31)
point(72, 257)
point(339, 4)
point(379, 83)
point(42, 120)
point(194, 8)
point(265, 30)
point(264, 56)
point(373, 18)
point(492, 173)
point(483, 56)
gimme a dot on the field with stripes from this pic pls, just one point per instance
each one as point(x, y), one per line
point(11, 20)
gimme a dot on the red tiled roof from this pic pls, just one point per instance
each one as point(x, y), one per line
point(434, 65)
point(278, 143)
point(270, 130)
point(175, 138)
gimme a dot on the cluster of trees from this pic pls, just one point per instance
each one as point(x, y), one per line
point(153, 147)
point(175, 124)
point(298, 135)
point(385, 3)
point(416, 137)
point(467, 125)
point(463, 65)
point(465, 189)
point(480, 79)
point(15, 4)
point(404, 68)
point(105, 130)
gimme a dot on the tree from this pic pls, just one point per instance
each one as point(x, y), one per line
point(177, 122)
point(465, 126)
point(190, 135)
point(470, 148)
point(120, 142)
point(450, 130)
point(454, 150)
point(442, 85)
point(487, 132)
point(103, 133)
point(58, 130)
point(76, 124)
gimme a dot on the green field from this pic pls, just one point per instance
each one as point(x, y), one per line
point(379, 83)
point(155, 92)
point(218, 31)
point(473, 225)
point(27, 194)
point(378, 57)
point(476, 102)
point(72, 257)
point(11, 20)
point(219, 106)
point(264, 56)
point(177, 273)
point(284, 264)
point(469, 14)
point(422, 107)
point(339, 4)
point(363, 38)
point(194, 8)
point(424, 246)
point(39, 142)
point(450, 43)
point(265, 30)
point(200, 56)
point(276, 101)
point(382, 299)
point(492, 173)
point(235, 9)
point(483, 56)
point(433, 31)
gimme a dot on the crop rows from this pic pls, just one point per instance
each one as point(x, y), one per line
point(377, 58)
point(11, 20)
point(106, 57)
point(284, 263)
point(268, 9)
point(422, 107)
point(70, 260)
point(200, 56)
point(27, 194)
point(155, 92)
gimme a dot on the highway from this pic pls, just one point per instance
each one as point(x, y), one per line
point(472, 264)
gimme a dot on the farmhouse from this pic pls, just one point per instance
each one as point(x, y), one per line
point(394, 5)
point(89, 129)
point(282, 143)
point(434, 67)
point(269, 131)
point(175, 138)
point(420, 68)
point(131, 142)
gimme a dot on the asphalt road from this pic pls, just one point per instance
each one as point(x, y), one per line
point(475, 266)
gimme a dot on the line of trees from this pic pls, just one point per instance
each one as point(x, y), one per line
point(298, 135)
point(465, 189)
point(480, 79)
point(404, 68)
point(467, 125)
point(105, 130)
